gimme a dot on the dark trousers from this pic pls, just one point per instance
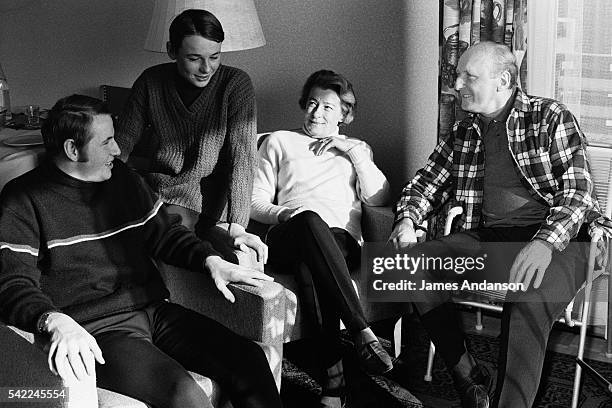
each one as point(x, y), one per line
point(321, 259)
point(527, 317)
point(148, 353)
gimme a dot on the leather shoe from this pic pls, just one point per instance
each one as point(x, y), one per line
point(474, 389)
point(374, 359)
point(476, 396)
point(333, 402)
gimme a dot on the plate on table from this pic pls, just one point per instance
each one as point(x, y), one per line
point(25, 140)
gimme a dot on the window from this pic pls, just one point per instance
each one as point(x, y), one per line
point(570, 59)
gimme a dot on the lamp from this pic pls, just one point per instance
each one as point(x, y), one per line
point(238, 18)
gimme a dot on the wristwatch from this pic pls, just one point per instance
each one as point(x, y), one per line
point(41, 325)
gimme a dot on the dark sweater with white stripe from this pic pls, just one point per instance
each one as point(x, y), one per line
point(85, 248)
point(204, 154)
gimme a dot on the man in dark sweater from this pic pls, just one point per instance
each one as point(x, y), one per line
point(77, 238)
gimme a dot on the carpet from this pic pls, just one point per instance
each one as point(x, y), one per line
point(405, 387)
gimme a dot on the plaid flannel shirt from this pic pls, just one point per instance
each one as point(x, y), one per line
point(549, 152)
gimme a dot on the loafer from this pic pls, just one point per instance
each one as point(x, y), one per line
point(374, 359)
point(329, 404)
point(475, 396)
point(474, 389)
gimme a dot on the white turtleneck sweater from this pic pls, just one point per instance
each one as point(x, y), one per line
point(333, 184)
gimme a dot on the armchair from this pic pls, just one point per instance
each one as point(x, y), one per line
point(493, 300)
point(376, 225)
point(259, 314)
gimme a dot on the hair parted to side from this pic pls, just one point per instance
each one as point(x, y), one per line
point(195, 22)
point(501, 59)
point(71, 118)
point(326, 79)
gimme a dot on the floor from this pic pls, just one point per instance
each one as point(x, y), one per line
point(562, 339)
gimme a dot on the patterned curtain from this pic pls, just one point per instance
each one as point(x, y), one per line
point(465, 23)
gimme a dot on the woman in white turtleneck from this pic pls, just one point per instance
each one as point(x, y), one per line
point(310, 185)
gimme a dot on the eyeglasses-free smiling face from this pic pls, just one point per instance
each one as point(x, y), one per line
point(323, 113)
point(197, 59)
point(476, 84)
point(95, 158)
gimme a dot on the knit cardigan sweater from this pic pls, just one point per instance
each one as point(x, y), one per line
point(333, 184)
point(85, 248)
point(204, 155)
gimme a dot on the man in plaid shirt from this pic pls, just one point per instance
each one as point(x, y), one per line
point(517, 165)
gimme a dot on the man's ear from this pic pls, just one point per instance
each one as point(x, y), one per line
point(170, 51)
point(70, 150)
point(504, 80)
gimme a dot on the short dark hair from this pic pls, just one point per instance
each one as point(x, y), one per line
point(195, 22)
point(71, 118)
point(326, 79)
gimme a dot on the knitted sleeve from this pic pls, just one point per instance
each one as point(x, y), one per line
point(265, 185)
point(22, 301)
point(242, 138)
point(167, 239)
point(372, 185)
point(133, 119)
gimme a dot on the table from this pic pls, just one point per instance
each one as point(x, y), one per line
point(14, 161)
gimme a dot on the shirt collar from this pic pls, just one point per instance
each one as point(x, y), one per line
point(505, 112)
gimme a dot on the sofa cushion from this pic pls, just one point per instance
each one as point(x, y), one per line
point(110, 399)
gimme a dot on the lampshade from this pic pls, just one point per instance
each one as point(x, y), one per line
point(238, 18)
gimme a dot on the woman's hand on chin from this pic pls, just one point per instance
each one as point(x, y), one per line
point(324, 144)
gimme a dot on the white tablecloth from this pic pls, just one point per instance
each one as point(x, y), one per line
point(15, 161)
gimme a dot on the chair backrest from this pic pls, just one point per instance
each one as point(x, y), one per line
point(600, 160)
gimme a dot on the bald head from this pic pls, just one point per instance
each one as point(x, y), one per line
point(497, 57)
point(486, 78)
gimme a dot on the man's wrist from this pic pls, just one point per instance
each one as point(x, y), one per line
point(235, 229)
point(210, 261)
point(548, 245)
point(405, 223)
point(42, 324)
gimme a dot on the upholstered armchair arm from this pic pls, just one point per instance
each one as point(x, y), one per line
point(376, 223)
point(257, 314)
point(260, 314)
point(24, 364)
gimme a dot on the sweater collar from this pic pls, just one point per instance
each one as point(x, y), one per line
point(63, 178)
point(335, 133)
point(196, 105)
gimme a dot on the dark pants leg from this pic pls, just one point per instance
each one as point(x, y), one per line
point(321, 259)
point(307, 239)
point(527, 320)
point(527, 317)
point(148, 354)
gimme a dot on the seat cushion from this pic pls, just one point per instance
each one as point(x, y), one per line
point(110, 399)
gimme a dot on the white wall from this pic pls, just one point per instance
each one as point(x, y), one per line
point(387, 48)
